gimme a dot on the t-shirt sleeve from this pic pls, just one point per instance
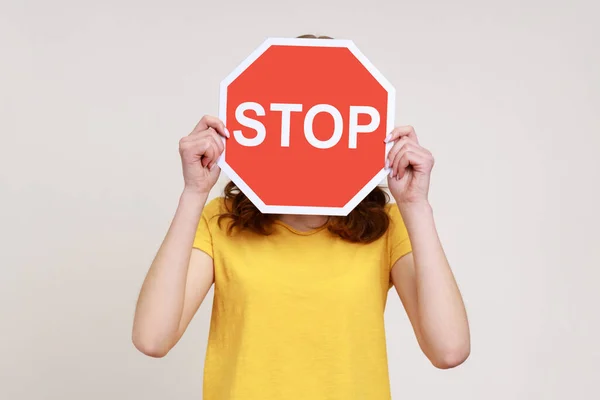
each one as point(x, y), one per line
point(206, 227)
point(398, 241)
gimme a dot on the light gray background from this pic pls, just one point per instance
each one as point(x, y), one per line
point(95, 95)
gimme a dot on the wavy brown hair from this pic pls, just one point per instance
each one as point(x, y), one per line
point(367, 222)
point(313, 37)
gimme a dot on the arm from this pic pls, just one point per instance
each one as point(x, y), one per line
point(429, 293)
point(424, 279)
point(176, 284)
point(180, 276)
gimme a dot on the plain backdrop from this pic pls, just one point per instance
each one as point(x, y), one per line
point(94, 97)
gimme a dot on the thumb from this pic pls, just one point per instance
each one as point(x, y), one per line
point(215, 170)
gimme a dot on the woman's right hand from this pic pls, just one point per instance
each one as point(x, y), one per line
point(200, 151)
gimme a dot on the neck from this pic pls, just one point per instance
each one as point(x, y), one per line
point(303, 222)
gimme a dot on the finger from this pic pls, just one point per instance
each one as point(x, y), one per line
point(205, 161)
point(219, 141)
point(211, 122)
point(210, 153)
point(402, 148)
point(193, 144)
point(210, 150)
point(202, 134)
point(394, 151)
point(209, 133)
point(400, 132)
point(416, 148)
point(404, 161)
point(395, 163)
point(218, 147)
point(409, 159)
point(402, 145)
point(198, 148)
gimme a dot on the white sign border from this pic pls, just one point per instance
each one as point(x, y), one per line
point(391, 110)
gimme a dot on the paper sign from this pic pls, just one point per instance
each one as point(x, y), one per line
point(308, 119)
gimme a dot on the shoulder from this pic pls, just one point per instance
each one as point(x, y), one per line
point(397, 226)
point(398, 240)
point(393, 212)
point(215, 207)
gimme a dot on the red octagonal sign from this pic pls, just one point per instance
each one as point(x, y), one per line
point(308, 119)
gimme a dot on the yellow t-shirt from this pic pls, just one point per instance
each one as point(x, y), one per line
point(297, 315)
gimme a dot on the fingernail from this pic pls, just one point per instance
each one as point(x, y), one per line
point(387, 163)
point(392, 174)
point(388, 137)
point(227, 133)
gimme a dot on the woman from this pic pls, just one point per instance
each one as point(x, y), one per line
point(299, 300)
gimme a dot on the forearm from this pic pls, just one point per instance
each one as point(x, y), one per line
point(442, 316)
point(161, 300)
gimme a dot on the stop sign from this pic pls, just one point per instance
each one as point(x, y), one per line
point(308, 119)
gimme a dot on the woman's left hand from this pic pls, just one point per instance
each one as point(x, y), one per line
point(409, 167)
